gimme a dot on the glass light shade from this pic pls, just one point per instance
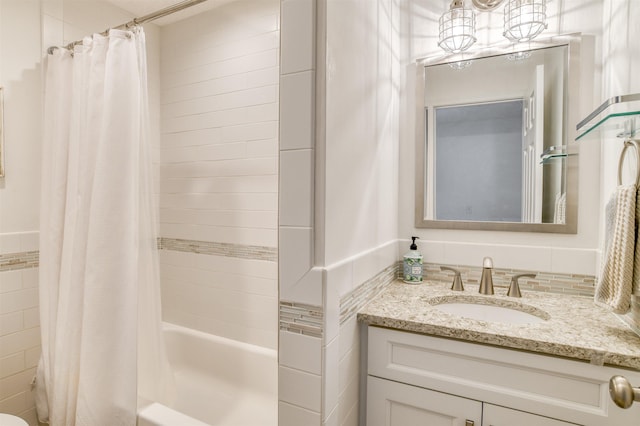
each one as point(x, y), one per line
point(457, 28)
point(524, 19)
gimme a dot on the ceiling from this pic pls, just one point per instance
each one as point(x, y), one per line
point(144, 7)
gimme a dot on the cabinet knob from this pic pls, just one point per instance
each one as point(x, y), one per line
point(622, 393)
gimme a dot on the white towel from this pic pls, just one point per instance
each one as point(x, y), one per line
point(615, 282)
point(561, 208)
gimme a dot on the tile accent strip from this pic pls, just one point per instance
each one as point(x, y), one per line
point(352, 302)
point(221, 249)
point(302, 319)
point(22, 260)
point(579, 285)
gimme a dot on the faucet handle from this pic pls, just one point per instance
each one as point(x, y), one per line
point(514, 287)
point(457, 279)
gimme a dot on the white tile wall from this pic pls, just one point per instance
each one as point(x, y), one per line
point(19, 340)
point(219, 167)
point(231, 297)
point(300, 388)
point(289, 414)
point(219, 125)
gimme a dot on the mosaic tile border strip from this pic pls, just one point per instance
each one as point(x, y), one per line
point(352, 302)
point(241, 251)
point(301, 318)
point(575, 284)
point(21, 260)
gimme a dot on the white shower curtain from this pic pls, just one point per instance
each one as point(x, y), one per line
point(99, 282)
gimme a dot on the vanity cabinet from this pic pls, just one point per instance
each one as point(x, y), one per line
point(397, 404)
point(415, 379)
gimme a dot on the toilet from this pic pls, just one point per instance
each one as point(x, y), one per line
point(9, 420)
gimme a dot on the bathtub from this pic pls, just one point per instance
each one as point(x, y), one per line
point(219, 382)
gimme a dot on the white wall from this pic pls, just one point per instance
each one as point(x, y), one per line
point(219, 168)
point(20, 70)
point(533, 251)
point(361, 149)
point(27, 28)
point(620, 76)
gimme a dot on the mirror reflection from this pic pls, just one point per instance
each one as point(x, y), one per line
point(495, 138)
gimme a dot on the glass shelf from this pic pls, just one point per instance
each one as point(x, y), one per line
point(547, 159)
point(619, 117)
point(553, 153)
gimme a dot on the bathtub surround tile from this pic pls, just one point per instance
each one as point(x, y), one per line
point(298, 35)
point(300, 388)
point(330, 378)
point(289, 414)
point(296, 188)
point(301, 352)
point(221, 249)
point(297, 110)
point(300, 318)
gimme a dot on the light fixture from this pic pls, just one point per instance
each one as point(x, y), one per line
point(457, 28)
point(460, 65)
point(524, 19)
point(519, 56)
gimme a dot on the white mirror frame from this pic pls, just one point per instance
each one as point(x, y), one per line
point(571, 103)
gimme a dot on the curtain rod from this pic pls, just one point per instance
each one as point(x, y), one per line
point(141, 20)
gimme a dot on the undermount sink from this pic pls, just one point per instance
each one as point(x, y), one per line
point(471, 309)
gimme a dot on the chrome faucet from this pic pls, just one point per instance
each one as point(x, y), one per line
point(486, 282)
point(514, 288)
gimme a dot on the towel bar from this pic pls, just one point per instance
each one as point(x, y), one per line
point(635, 143)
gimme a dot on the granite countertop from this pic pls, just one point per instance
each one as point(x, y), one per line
point(574, 326)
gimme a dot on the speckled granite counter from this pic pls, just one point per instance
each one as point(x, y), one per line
point(575, 327)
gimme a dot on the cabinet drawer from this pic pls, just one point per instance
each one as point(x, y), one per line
point(396, 404)
point(493, 415)
point(553, 387)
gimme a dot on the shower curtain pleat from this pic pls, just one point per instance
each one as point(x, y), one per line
point(100, 300)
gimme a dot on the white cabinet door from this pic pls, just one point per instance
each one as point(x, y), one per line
point(494, 415)
point(397, 404)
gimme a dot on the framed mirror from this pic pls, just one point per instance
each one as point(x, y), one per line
point(495, 139)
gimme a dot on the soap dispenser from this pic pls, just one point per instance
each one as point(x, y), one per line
point(412, 262)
